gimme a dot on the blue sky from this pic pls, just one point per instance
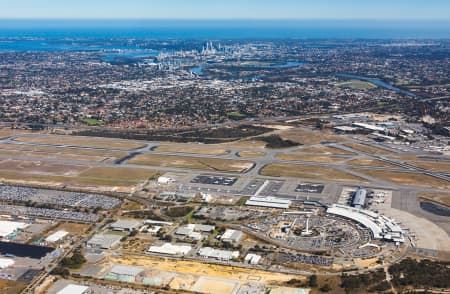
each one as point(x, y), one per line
point(227, 9)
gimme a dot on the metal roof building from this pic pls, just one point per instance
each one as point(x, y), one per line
point(73, 289)
point(55, 237)
point(6, 262)
point(218, 254)
point(359, 198)
point(272, 202)
point(7, 227)
point(125, 225)
point(171, 249)
point(232, 236)
point(104, 241)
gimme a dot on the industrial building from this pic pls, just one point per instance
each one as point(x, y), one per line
point(272, 202)
point(194, 231)
point(252, 258)
point(359, 198)
point(124, 273)
point(104, 241)
point(125, 225)
point(170, 249)
point(57, 236)
point(6, 262)
point(73, 289)
point(224, 255)
point(232, 236)
point(7, 228)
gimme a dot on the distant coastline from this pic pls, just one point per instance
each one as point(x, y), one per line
point(225, 29)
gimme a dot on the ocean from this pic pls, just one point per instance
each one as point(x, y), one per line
point(224, 29)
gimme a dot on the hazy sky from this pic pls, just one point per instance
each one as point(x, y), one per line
point(228, 9)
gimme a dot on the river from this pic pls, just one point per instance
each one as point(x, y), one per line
point(379, 83)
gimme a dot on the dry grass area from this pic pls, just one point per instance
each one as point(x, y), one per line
point(58, 152)
point(309, 157)
point(11, 287)
point(130, 205)
point(310, 137)
point(73, 228)
point(308, 172)
point(325, 150)
point(81, 141)
point(223, 165)
point(75, 176)
point(251, 154)
point(368, 149)
point(333, 281)
point(195, 149)
point(204, 269)
point(120, 173)
point(432, 165)
point(370, 162)
point(6, 132)
point(413, 179)
point(441, 198)
point(246, 143)
point(41, 167)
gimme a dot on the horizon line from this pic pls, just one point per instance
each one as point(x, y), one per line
point(222, 19)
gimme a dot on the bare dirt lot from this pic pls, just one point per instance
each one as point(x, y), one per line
point(191, 148)
point(308, 172)
point(413, 179)
point(82, 141)
point(223, 165)
point(205, 269)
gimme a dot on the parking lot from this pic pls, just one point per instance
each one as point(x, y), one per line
point(214, 180)
point(309, 188)
point(60, 198)
point(271, 188)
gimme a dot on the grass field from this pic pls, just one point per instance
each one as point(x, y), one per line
point(357, 85)
point(251, 154)
point(413, 179)
point(81, 141)
point(308, 172)
point(189, 148)
point(199, 163)
point(441, 198)
point(309, 157)
point(369, 162)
